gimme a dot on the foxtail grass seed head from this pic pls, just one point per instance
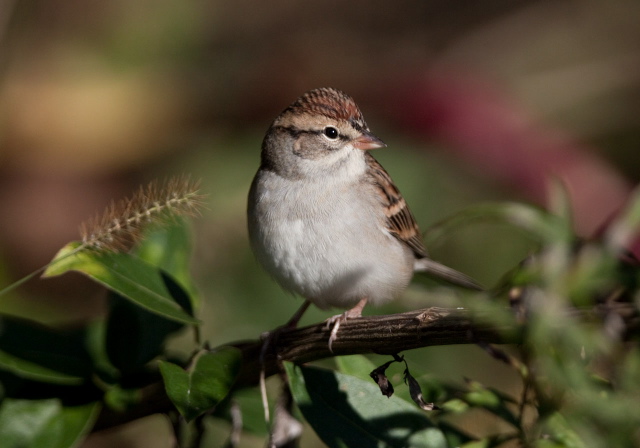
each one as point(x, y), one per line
point(121, 225)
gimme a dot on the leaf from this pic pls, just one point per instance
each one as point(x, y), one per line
point(626, 227)
point(349, 411)
point(123, 273)
point(35, 352)
point(250, 403)
point(169, 248)
point(492, 401)
point(361, 367)
point(204, 384)
point(455, 405)
point(560, 431)
point(135, 336)
point(44, 423)
point(495, 441)
point(416, 392)
point(95, 344)
point(34, 371)
point(120, 399)
point(560, 201)
point(379, 375)
point(355, 365)
point(537, 222)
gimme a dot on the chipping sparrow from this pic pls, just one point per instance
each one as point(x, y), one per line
point(325, 219)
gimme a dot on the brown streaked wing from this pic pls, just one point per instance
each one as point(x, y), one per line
point(400, 220)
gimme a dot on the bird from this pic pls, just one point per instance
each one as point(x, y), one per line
point(326, 220)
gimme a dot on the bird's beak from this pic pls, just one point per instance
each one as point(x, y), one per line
point(368, 141)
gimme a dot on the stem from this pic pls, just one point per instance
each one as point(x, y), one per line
point(28, 277)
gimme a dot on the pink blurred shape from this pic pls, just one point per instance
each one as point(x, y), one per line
point(484, 128)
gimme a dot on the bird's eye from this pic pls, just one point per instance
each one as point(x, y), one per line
point(330, 132)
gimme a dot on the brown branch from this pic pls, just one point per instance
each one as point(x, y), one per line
point(388, 334)
point(371, 334)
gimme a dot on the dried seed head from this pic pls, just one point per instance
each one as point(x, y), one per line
point(121, 225)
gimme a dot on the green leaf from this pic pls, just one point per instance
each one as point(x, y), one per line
point(169, 248)
point(492, 401)
point(495, 441)
point(355, 365)
point(121, 399)
point(35, 352)
point(250, 403)
point(44, 423)
point(204, 384)
point(95, 344)
point(559, 431)
point(348, 411)
point(33, 371)
point(559, 201)
point(455, 405)
point(123, 273)
point(537, 222)
point(134, 336)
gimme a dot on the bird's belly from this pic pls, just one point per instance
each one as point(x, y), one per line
point(326, 255)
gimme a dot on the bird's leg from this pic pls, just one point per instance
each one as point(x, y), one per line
point(335, 321)
point(269, 338)
point(293, 322)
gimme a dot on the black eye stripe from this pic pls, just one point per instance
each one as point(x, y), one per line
point(295, 132)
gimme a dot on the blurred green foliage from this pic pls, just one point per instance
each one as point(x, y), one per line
point(107, 90)
point(575, 375)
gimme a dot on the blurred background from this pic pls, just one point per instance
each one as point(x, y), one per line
point(477, 101)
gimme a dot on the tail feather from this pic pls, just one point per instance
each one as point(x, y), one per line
point(435, 269)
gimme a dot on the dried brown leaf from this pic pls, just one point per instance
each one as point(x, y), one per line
point(416, 392)
point(378, 375)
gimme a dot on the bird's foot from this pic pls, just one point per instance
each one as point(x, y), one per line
point(334, 321)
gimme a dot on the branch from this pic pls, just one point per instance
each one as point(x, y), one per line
point(371, 334)
point(388, 334)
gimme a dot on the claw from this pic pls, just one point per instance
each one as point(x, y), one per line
point(335, 321)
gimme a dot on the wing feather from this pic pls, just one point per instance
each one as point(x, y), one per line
point(400, 221)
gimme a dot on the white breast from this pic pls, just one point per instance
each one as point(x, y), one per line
point(325, 240)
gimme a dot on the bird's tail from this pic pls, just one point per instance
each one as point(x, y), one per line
point(435, 269)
